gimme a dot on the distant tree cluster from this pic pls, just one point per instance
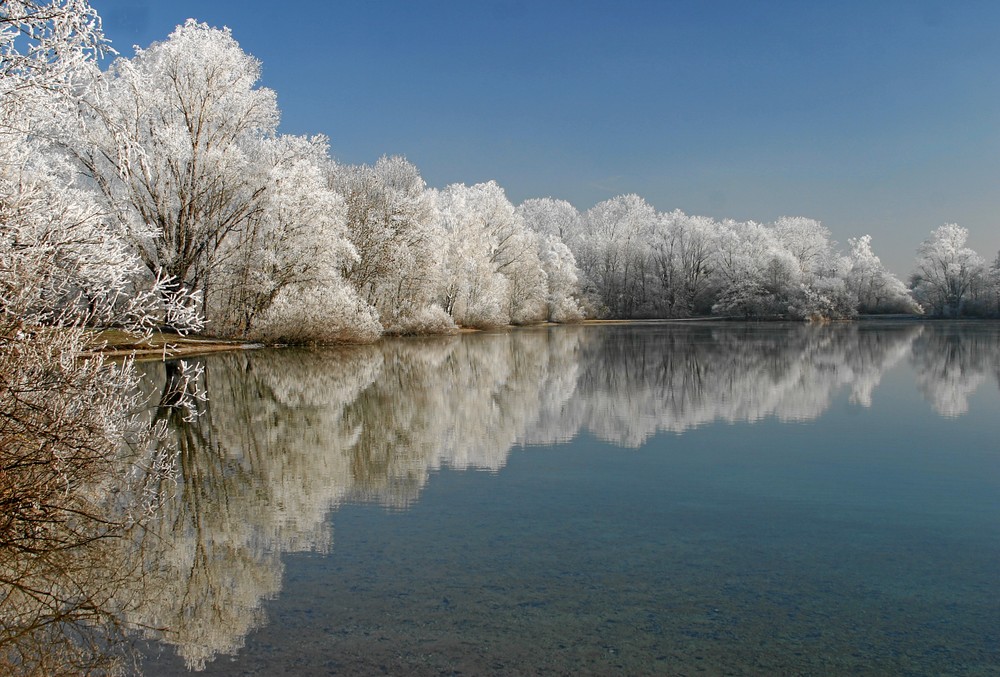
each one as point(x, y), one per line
point(636, 262)
point(950, 279)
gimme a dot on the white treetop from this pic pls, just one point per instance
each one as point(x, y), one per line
point(175, 144)
point(945, 270)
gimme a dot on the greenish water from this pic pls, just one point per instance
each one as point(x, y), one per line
point(641, 499)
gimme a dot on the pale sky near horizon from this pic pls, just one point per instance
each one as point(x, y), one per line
point(873, 117)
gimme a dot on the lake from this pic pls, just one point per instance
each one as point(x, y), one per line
point(640, 499)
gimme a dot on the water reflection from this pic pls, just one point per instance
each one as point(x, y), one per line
point(952, 362)
point(60, 579)
point(72, 516)
point(286, 436)
point(638, 383)
point(259, 468)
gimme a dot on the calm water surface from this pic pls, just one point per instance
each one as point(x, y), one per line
point(644, 499)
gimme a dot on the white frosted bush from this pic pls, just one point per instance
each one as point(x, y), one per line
point(429, 319)
point(318, 316)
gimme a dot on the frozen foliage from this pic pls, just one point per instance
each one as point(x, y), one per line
point(267, 238)
point(179, 142)
point(61, 262)
point(808, 241)
point(754, 273)
point(43, 46)
point(314, 314)
point(785, 269)
point(946, 272)
point(562, 280)
point(492, 271)
point(636, 262)
point(614, 253)
point(556, 222)
point(392, 223)
point(876, 289)
point(429, 319)
point(548, 216)
point(280, 277)
point(683, 247)
point(991, 289)
point(67, 429)
point(174, 144)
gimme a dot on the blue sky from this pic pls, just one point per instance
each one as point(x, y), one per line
point(873, 117)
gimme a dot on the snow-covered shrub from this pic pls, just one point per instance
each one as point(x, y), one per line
point(311, 315)
point(430, 319)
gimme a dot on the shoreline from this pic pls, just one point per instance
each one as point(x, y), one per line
point(118, 344)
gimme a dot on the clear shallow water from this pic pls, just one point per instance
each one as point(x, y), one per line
point(658, 499)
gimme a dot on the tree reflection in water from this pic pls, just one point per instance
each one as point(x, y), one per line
point(72, 513)
point(952, 361)
point(284, 437)
point(287, 436)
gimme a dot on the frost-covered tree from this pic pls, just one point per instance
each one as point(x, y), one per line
point(65, 416)
point(472, 291)
point(174, 143)
point(754, 273)
point(946, 270)
point(392, 223)
point(548, 216)
point(636, 262)
point(492, 271)
point(682, 250)
point(875, 288)
point(808, 241)
point(527, 286)
point(614, 253)
point(291, 252)
point(788, 268)
point(558, 223)
point(562, 281)
point(181, 142)
point(822, 291)
point(993, 288)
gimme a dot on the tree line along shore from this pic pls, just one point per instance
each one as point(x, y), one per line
point(160, 187)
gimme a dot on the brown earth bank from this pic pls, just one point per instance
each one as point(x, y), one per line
point(160, 345)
